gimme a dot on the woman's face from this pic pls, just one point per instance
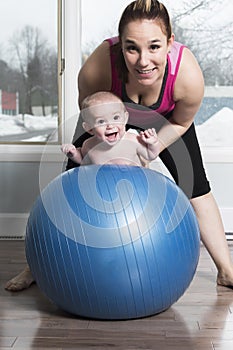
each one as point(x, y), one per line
point(145, 48)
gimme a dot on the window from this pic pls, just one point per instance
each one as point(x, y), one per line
point(206, 27)
point(29, 93)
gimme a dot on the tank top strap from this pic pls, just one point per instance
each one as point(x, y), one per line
point(173, 61)
point(175, 57)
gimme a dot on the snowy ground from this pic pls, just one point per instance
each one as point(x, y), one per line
point(217, 131)
point(28, 128)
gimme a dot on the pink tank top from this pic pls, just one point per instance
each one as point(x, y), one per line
point(149, 116)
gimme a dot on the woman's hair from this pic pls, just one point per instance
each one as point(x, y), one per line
point(146, 9)
point(139, 10)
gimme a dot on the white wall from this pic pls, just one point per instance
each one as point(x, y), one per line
point(219, 169)
point(20, 186)
point(220, 174)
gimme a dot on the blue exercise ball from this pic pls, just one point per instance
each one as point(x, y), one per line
point(112, 242)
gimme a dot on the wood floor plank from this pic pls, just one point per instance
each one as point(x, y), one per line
point(7, 341)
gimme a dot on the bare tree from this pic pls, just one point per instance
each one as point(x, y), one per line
point(31, 52)
point(197, 26)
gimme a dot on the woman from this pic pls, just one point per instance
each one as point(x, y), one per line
point(157, 76)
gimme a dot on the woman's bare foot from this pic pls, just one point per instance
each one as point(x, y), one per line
point(225, 280)
point(21, 281)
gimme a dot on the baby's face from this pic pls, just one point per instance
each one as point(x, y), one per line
point(107, 121)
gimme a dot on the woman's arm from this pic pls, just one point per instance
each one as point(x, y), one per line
point(95, 74)
point(188, 95)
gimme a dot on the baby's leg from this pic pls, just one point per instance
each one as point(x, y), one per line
point(21, 281)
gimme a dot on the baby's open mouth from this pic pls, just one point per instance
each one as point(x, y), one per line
point(111, 136)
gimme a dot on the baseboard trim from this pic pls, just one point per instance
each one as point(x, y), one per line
point(227, 217)
point(13, 225)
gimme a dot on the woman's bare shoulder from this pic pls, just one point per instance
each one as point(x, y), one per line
point(95, 74)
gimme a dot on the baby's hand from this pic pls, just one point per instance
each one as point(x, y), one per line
point(69, 150)
point(149, 136)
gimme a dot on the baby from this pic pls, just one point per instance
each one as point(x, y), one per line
point(104, 116)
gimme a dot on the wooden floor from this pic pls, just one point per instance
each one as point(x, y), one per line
point(201, 319)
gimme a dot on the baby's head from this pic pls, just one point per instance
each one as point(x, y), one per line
point(104, 115)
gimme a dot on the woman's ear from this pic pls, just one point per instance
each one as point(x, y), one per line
point(87, 128)
point(170, 42)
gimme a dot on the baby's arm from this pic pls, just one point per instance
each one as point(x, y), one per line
point(150, 143)
point(72, 152)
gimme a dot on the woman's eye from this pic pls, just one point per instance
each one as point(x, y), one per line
point(131, 48)
point(154, 47)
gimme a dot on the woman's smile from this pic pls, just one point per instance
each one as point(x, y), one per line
point(145, 73)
